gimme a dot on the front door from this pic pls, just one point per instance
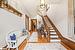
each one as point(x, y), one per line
point(33, 24)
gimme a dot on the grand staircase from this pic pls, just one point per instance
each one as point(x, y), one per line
point(52, 33)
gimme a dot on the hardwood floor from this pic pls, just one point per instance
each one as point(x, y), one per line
point(23, 44)
point(66, 46)
point(42, 42)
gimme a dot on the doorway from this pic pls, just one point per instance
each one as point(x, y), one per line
point(33, 24)
point(27, 22)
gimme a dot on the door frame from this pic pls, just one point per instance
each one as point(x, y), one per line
point(27, 22)
point(32, 24)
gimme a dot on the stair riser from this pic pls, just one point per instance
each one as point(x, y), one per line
point(55, 40)
point(53, 36)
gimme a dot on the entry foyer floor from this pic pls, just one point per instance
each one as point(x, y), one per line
point(33, 44)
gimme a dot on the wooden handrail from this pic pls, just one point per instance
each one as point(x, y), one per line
point(64, 40)
point(22, 45)
point(47, 29)
point(44, 22)
point(46, 26)
point(6, 6)
point(54, 27)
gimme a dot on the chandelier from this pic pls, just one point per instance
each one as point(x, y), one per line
point(43, 8)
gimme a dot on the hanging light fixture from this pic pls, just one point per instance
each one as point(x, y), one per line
point(42, 1)
point(43, 8)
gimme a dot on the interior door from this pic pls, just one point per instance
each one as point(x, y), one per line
point(33, 24)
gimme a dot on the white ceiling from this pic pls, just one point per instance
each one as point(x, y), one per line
point(30, 7)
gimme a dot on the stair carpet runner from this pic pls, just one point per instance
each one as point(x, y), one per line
point(53, 35)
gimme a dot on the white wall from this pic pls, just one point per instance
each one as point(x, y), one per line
point(8, 23)
point(71, 27)
point(58, 13)
point(74, 16)
point(61, 14)
point(74, 6)
point(39, 19)
point(29, 24)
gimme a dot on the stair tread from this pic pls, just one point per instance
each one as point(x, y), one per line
point(52, 30)
point(54, 38)
point(53, 34)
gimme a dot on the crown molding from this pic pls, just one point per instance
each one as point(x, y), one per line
point(6, 6)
